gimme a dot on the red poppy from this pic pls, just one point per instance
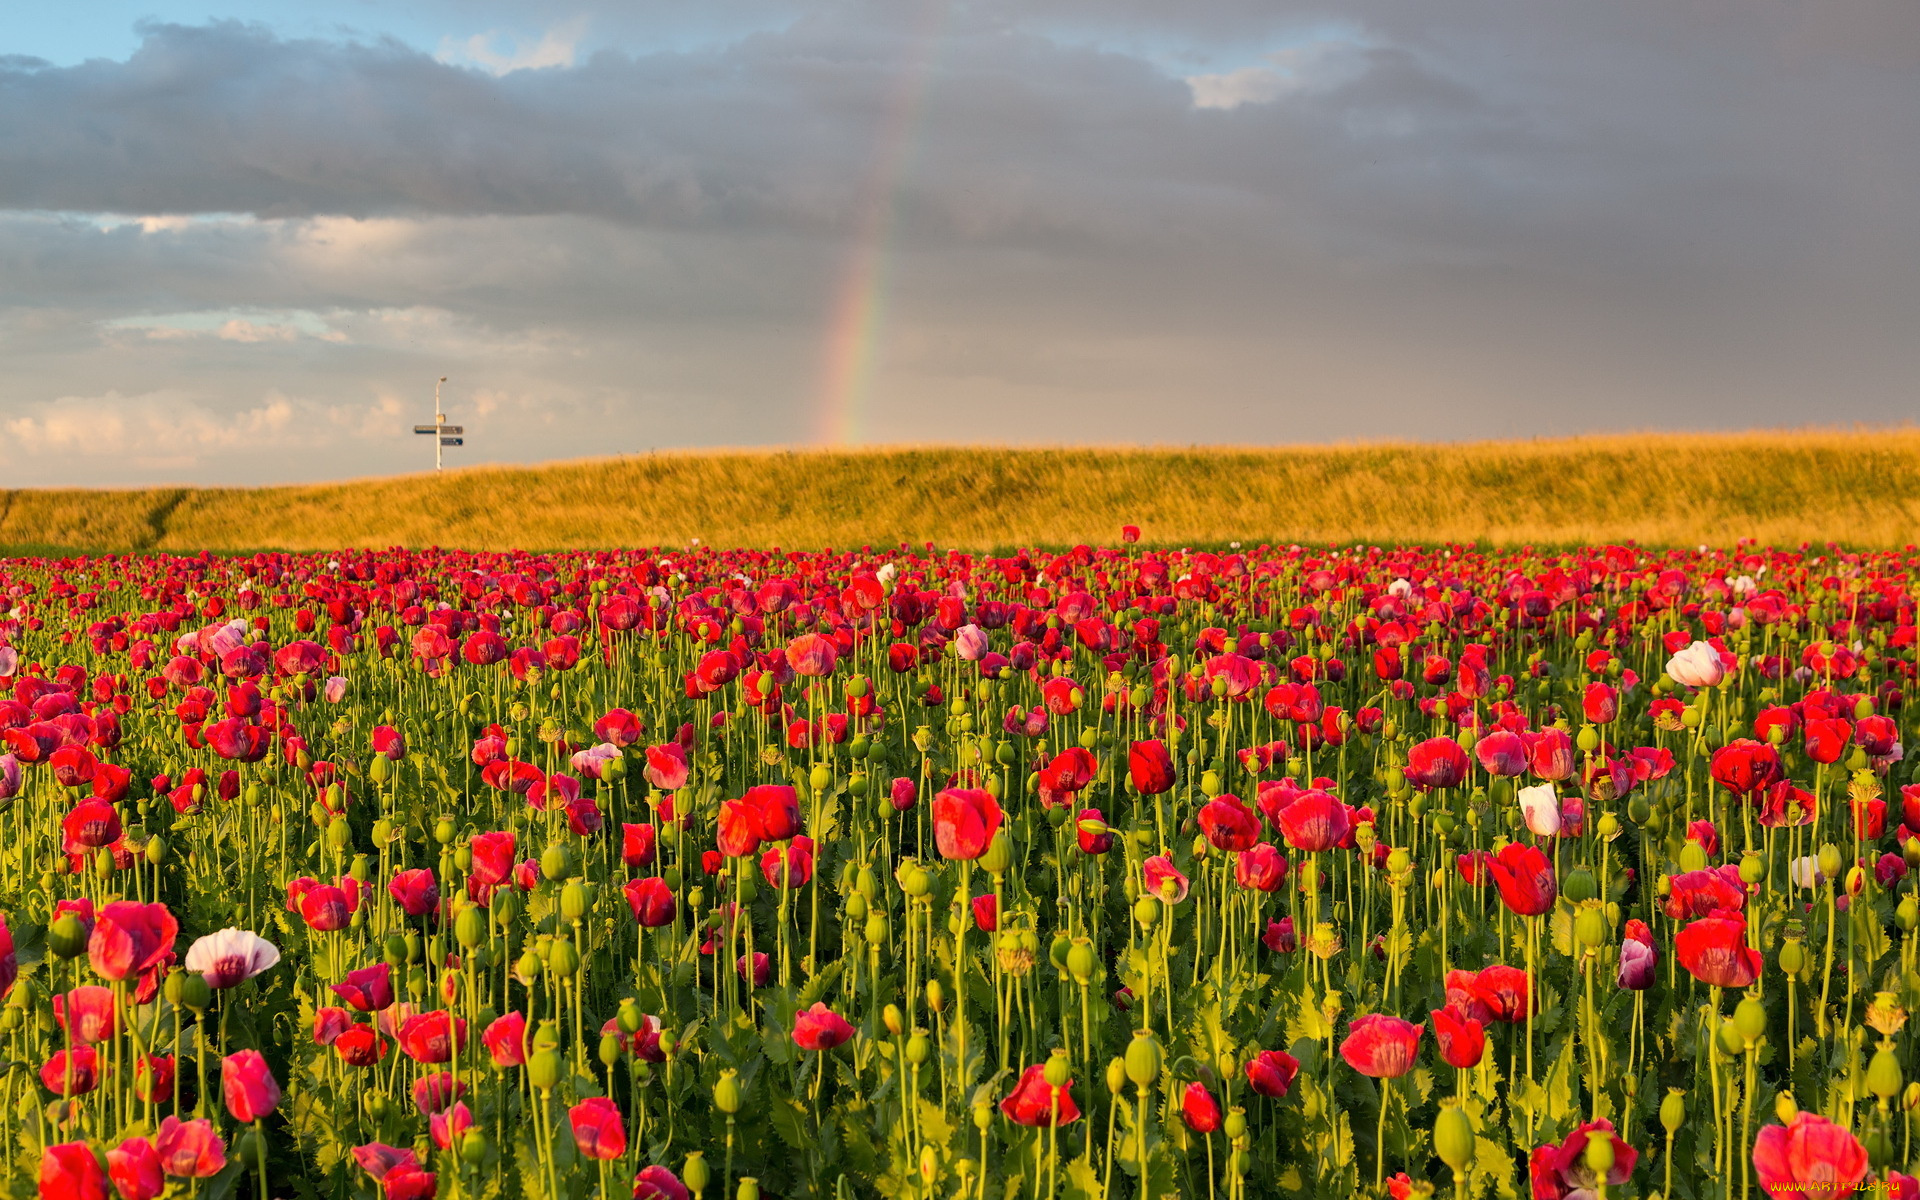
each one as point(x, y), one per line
point(1150, 767)
point(1091, 832)
point(432, 1037)
point(1315, 821)
point(506, 1040)
point(134, 1167)
point(1199, 1109)
point(492, 858)
point(986, 913)
point(69, 1171)
point(1260, 869)
point(1697, 893)
point(667, 766)
point(415, 891)
point(1229, 824)
point(1036, 1103)
point(1811, 1157)
point(1744, 766)
point(1436, 763)
point(248, 1086)
point(778, 807)
point(658, 1183)
point(597, 1128)
point(820, 1028)
point(369, 989)
point(739, 830)
point(1271, 1072)
point(652, 901)
point(964, 822)
point(1381, 1046)
point(130, 938)
point(1827, 738)
point(153, 1078)
point(1462, 1040)
point(1525, 879)
point(189, 1149)
point(1714, 951)
point(790, 866)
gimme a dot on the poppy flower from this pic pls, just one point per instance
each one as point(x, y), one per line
point(1809, 1157)
point(652, 901)
point(72, 1072)
point(812, 655)
point(667, 766)
point(1638, 958)
point(1163, 881)
point(1091, 832)
point(248, 1086)
point(90, 824)
point(1260, 868)
point(619, 727)
point(1698, 893)
point(1502, 753)
point(1150, 767)
point(230, 957)
point(1714, 951)
point(1271, 1072)
point(1827, 738)
point(1279, 936)
point(86, 1013)
point(448, 1125)
point(493, 855)
point(597, 1128)
point(505, 1039)
point(360, 1045)
point(130, 938)
point(1550, 754)
point(1315, 821)
point(1501, 990)
point(1037, 1104)
point(189, 1149)
point(69, 1171)
point(964, 822)
point(415, 891)
point(778, 806)
point(134, 1167)
point(820, 1028)
point(1199, 1109)
point(1229, 824)
point(739, 830)
point(1564, 1167)
point(1438, 762)
point(658, 1183)
point(1525, 879)
point(153, 1078)
point(1068, 771)
point(1744, 766)
point(1462, 1040)
point(432, 1037)
point(369, 989)
point(1382, 1046)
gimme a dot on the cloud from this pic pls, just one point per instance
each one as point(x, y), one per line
point(555, 48)
point(1232, 221)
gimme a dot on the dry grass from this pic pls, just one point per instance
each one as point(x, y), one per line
point(1857, 487)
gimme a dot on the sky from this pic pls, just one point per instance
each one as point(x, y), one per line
point(241, 239)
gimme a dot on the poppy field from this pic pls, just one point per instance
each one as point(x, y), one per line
point(903, 872)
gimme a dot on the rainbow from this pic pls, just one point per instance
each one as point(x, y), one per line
point(858, 311)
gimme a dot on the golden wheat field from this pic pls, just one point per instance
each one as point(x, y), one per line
point(1857, 487)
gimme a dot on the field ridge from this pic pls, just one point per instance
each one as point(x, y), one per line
point(1860, 487)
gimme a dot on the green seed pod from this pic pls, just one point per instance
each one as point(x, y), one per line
point(876, 930)
point(1750, 1019)
point(505, 908)
point(696, 1174)
point(529, 968)
point(611, 1048)
point(67, 937)
point(1599, 1155)
point(1673, 1110)
point(1883, 1072)
point(916, 883)
point(1730, 1038)
point(919, 1048)
point(574, 901)
point(726, 1092)
point(1058, 1072)
point(544, 1069)
point(1693, 857)
point(1831, 861)
point(1235, 1126)
point(1146, 910)
point(999, 854)
point(564, 960)
point(1753, 869)
point(1144, 1057)
point(1588, 739)
point(1793, 957)
point(1908, 913)
point(1081, 961)
point(556, 864)
point(470, 927)
point(1453, 1138)
point(474, 1146)
point(1590, 927)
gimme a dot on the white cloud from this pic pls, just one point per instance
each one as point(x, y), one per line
point(1317, 63)
point(486, 51)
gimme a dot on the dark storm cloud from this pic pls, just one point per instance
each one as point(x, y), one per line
point(1118, 221)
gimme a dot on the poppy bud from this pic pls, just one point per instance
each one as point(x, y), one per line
point(1453, 1138)
point(1785, 1108)
point(1830, 860)
point(1116, 1075)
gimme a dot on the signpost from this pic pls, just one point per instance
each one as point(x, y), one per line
point(445, 434)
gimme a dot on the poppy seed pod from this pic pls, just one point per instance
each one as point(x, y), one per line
point(1453, 1137)
point(1143, 1058)
point(726, 1092)
point(1673, 1111)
